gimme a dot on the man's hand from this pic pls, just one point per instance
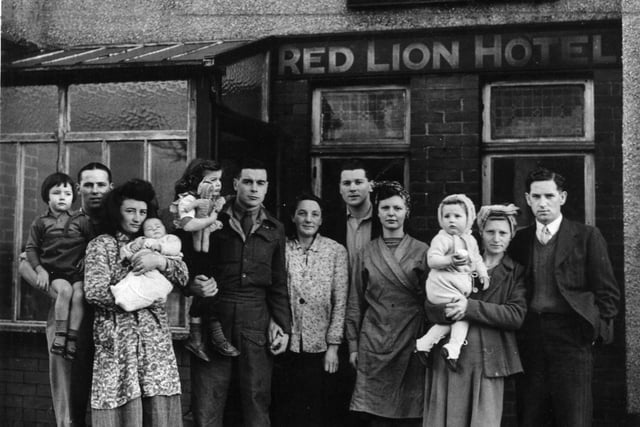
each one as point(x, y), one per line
point(278, 340)
point(331, 359)
point(42, 279)
point(456, 309)
point(353, 359)
point(204, 286)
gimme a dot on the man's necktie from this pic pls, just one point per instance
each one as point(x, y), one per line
point(247, 223)
point(545, 235)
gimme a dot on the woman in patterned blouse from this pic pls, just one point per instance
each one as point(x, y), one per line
point(135, 375)
point(318, 282)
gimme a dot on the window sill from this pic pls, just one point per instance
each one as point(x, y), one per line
point(177, 332)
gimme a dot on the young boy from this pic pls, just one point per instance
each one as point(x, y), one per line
point(55, 250)
point(454, 259)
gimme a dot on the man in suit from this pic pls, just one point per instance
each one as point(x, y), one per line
point(572, 299)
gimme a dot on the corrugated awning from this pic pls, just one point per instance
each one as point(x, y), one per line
point(189, 54)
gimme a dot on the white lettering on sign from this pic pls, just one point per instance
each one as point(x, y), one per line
point(347, 59)
point(479, 52)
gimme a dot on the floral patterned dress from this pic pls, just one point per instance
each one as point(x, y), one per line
point(134, 354)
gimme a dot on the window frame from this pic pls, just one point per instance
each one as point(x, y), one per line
point(540, 148)
point(589, 180)
point(533, 143)
point(320, 151)
point(316, 167)
point(64, 139)
point(317, 145)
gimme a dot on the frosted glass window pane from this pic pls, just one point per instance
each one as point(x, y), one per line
point(129, 106)
point(535, 111)
point(39, 161)
point(168, 161)
point(8, 158)
point(363, 116)
point(29, 109)
point(127, 161)
point(242, 86)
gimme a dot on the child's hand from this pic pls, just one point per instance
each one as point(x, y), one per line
point(137, 244)
point(155, 245)
point(218, 204)
point(485, 283)
point(42, 279)
point(460, 258)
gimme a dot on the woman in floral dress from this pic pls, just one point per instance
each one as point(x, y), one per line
point(135, 374)
point(318, 280)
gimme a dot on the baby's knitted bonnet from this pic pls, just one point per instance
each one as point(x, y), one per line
point(458, 198)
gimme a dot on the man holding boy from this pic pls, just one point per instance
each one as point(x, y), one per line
point(246, 257)
point(71, 381)
point(572, 297)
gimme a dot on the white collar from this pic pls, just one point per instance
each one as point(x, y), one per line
point(553, 226)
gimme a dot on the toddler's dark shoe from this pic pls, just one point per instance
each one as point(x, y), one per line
point(225, 348)
point(423, 356)
point(451, 363)
point(71, 348)
point(59, 343)
point(197, 349)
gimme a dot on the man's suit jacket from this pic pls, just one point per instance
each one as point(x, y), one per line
point(582, 271)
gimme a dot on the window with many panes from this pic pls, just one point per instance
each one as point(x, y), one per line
point(367, 122)
point(138, 129)
point(540, 123)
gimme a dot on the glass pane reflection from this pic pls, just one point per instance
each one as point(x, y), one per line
point(129, 106)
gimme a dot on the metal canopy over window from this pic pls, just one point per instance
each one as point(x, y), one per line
point(130, 55)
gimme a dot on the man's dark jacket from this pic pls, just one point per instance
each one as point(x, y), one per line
point(336, 227)
point(247, 274)
point(582, 271)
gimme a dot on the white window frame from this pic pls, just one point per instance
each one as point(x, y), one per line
point(588, 177)
point(65, 139)
point(377, 144)
point(588, 112)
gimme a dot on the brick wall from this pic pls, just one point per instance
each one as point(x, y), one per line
point(445, 154)
point(25, 394)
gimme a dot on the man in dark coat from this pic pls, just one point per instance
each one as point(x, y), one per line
point(247, 262)
point(356, 225)
point(572, 298)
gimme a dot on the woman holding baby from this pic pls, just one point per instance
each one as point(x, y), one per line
point(472, 394)
point(135, 375)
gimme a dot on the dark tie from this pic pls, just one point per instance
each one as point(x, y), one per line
point(247, 223)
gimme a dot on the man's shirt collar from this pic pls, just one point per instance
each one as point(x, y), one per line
point(553, 226)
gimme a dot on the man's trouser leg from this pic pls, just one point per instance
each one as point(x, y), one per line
point(558, 362)
point(71, 381)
